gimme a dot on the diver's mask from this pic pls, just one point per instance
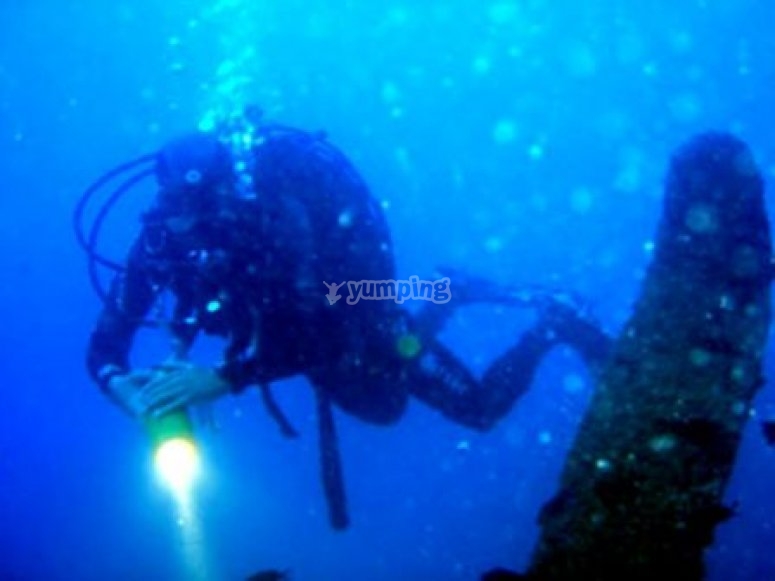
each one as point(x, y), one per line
point(195, 174)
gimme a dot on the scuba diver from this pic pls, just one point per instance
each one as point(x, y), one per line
point(251, 224)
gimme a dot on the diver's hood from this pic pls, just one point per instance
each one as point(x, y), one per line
point(197, 163)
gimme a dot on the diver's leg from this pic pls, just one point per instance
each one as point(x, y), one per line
point(369, 387)
point(441, 380)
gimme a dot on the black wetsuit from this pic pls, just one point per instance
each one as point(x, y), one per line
point(255, 274)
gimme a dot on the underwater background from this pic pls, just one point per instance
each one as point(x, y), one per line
point(524, 141)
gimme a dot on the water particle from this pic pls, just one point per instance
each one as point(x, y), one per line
point(493, 244)
point(345, 219)
point(502, 12)
point(701, 219)
point(662, 443)
point(573, 383)
point(581, 200)
point(505, 131)
point(390, 93)
point(739, 374)
point(535, 152)
point(699, 357)
point(482, 65)
point(463, 446)
point(682, 41)
point(582, 62)
point(685, 108)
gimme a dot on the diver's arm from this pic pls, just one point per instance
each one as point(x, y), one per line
point(239, 373)
point(131, 296)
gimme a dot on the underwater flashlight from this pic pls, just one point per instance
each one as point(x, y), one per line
point(176, 456)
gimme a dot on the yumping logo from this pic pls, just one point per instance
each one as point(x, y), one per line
point(400, 291)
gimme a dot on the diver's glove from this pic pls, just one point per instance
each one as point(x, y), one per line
point(124, 390)
point(180, 386)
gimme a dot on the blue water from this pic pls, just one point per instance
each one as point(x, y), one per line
point(523, 140)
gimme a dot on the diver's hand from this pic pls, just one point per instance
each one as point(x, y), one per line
point(124, 390)
point(183, 385)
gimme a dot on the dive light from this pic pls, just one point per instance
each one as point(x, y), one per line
point(176, 456)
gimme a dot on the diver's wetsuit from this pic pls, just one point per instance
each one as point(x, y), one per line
point(254, 274)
